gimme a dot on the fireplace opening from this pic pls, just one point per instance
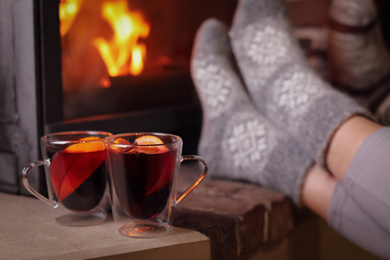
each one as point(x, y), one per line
point(125, 55)
point(129, 55)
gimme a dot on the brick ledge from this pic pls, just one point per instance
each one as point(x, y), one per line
point(237, 217)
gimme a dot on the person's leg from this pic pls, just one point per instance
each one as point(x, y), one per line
point(291, 96)
point(358, 157)
point(345, 143)
point(360, 62)
point(348, 219)
point(325, 196)
point(317, 191)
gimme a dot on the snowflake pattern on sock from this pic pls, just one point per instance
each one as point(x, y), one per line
point(247, 141)
point(265, 44)
point(259, 40)
point(293, 92)
point(216, 86)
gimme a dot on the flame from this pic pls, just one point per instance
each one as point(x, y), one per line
point(67, 11)
point(123, 54)
point(137, 55)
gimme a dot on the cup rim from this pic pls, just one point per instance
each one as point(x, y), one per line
point(46, 137)
point(111, 139)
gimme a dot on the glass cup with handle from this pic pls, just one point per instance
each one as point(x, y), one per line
point(76, 176)
point(143, 169)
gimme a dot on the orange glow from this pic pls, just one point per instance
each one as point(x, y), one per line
point(105, 83)
point(118, 44)
point(137, 55)
point(123, 54)
point(68, 10)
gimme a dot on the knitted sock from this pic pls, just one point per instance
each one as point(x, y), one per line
point(279, 80)
point(357, 55)
point(359, 62)
point(236, 140)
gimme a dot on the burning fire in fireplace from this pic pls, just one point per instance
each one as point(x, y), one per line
point(118, 43)
point(120, 56)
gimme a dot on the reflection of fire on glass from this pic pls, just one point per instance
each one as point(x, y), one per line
point(106, 33)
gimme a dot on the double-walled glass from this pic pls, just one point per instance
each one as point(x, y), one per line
point(76, 176)
point(143, 169)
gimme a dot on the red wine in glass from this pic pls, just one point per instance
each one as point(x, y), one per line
point(142, 179)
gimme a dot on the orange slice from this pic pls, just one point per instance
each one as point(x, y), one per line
point(120, 149)
point(121, 141)
point(147, 144)
point(87, 146)
point(148, 140)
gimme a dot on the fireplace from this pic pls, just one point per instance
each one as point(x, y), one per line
point(100, 88)
point(55, 78)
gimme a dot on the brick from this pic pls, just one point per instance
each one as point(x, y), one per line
point(220, 228)
point(281, 219)
point(238, 217)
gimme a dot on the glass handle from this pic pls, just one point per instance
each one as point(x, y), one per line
point(201, 176)
point(25, 173)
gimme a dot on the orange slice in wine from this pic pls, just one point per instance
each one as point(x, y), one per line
point(121, 141)
point(122, 149)
point(150, 144)
point(87, 146)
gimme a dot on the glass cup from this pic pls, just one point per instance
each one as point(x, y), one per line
point(76, 176)
point(143, 168)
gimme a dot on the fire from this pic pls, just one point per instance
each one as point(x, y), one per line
point(68, 10)
point(137, 55)
point(123, 54)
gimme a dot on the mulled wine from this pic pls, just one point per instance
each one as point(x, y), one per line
point(143, 179)
point(143, 168)
point(79, 178)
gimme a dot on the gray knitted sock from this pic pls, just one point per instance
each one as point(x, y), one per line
point(236, 141)
point(279, 80)
point(359, 62)
point(358, 59)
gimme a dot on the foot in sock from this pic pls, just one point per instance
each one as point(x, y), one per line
point(357, 56)
point(280, 82)
point(359, 62)
point(236, 140)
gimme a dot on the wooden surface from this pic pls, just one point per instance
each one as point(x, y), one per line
point(29, 231)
